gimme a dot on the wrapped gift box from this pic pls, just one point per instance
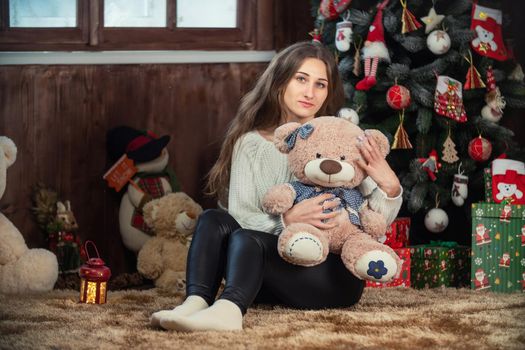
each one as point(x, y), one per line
point(498, 247)
point(440, 264)
point(397, 233)
point(404, 277)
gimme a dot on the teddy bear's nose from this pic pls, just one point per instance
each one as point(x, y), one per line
point(329, 166)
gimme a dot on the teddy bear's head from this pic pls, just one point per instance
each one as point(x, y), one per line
point(506, 190)
point(173, 215)
point(7, 158)
point(484, 35)
point(324, 151)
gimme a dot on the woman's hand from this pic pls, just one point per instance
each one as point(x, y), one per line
point(310, 211)
point(377, 167)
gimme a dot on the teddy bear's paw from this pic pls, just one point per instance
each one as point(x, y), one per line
point(304, 249)
point(376, 265)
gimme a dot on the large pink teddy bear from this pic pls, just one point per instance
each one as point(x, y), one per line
point(322, 156)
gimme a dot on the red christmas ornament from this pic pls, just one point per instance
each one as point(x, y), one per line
point(398, 97)
point(331, 9)
point(479, 149)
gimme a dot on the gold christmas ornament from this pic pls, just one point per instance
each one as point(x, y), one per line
point(357, 58)
point(473, 79)
point(401, 140)
point(409, 22)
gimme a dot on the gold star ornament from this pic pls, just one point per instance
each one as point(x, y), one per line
point(432, 20)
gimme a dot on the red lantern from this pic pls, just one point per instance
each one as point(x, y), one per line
point(398, 97)
point(479, 149)
point(94, 276)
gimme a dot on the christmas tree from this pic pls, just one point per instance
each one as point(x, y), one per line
point(436, 78)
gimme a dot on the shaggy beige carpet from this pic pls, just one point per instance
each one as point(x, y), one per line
point(384, 319)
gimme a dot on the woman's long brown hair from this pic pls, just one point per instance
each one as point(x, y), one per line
point(261, 108)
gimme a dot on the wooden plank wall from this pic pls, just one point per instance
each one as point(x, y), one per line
point(58, 117)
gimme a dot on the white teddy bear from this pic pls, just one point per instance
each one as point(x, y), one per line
point(485, 37)
point(508, 190)
point(22, 270)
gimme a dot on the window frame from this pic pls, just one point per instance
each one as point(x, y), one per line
point(254, 31)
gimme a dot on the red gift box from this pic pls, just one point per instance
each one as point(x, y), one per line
point(396, 235)
point(404, 277)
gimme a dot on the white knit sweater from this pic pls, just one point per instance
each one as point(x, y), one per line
point(257, 165)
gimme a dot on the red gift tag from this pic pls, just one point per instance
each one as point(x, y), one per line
point(121, 173)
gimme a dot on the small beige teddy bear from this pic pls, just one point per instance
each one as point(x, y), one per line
point(173, 218)
point(322, 156)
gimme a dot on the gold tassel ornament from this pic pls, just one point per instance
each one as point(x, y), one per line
point(473, 79)
point(401, 140)
point(409, 23)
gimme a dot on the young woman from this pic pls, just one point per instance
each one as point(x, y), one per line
point(240, 244)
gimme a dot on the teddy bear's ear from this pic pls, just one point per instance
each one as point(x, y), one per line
point(9, 148)
point(380, 139)
point(281, 134)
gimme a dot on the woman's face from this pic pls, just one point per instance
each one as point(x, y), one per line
point(306, 91)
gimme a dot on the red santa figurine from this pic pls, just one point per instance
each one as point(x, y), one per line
point(374, 49)
point(523, 236)
point(505, 260)
point(482, 235)
point(481, 281)
point(431, 164)
point(506, 213)
point(523, 282)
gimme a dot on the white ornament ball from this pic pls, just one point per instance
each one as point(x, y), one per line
point(490, 114)
point(438, 42)
point(436, 220)
point(349, 114)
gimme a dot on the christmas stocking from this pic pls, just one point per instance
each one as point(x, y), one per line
point(343, 35)
point(459, 189)
point(448, 99)
point(508, 180)
point(486, 22)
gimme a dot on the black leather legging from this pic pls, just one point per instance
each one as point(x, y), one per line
point(254, 271)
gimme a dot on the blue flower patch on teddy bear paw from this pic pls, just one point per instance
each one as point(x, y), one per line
point(377, 269)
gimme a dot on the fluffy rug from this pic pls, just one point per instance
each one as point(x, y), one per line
point(384, 319)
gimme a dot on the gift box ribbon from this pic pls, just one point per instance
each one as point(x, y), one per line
point(448, 244)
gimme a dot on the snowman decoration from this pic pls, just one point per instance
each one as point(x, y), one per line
point(153, 179)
